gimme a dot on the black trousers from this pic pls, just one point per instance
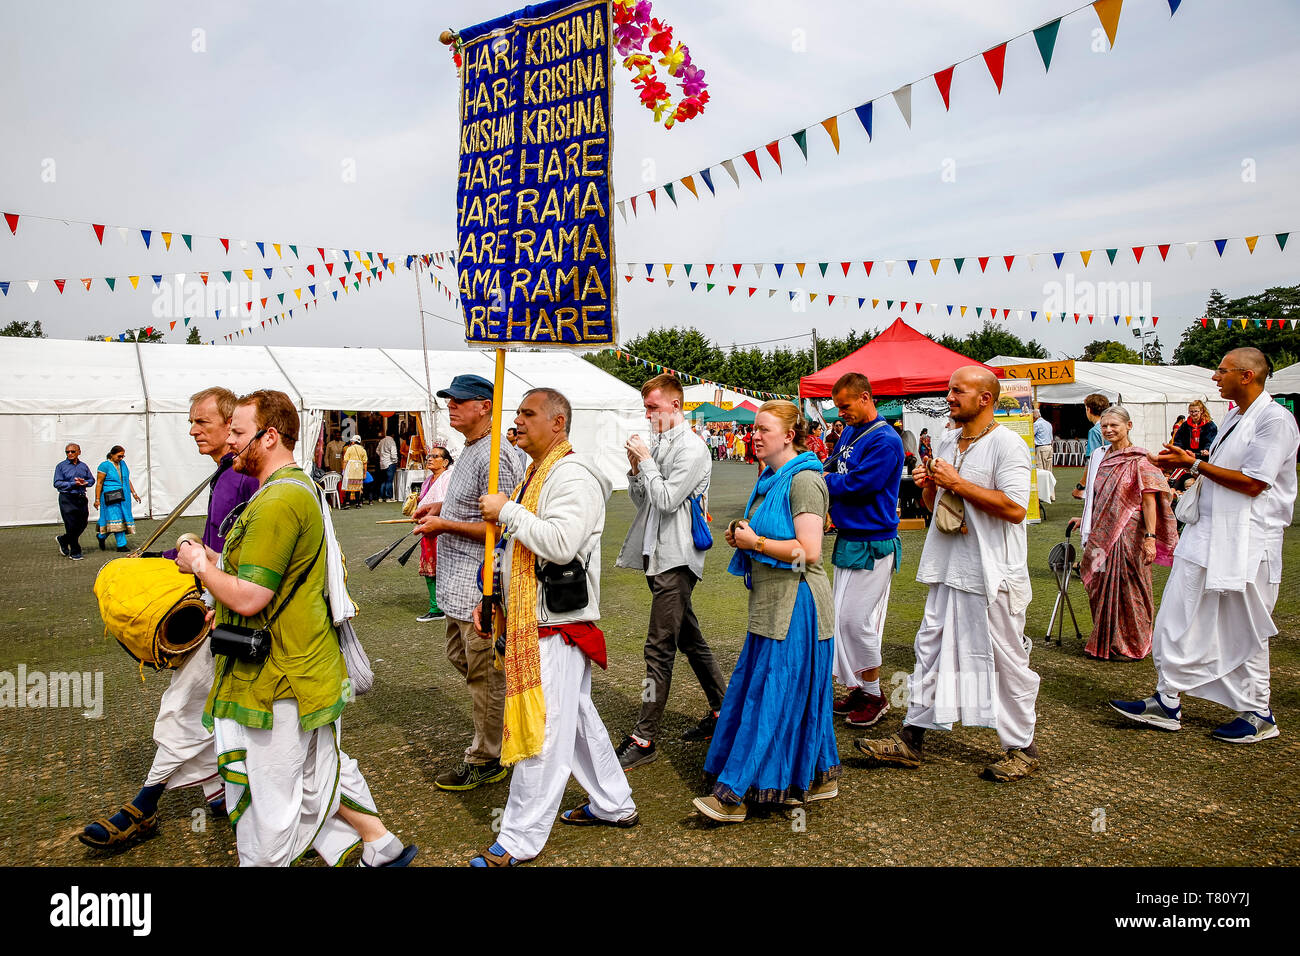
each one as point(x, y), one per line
point(673, 628)
point(76, 514)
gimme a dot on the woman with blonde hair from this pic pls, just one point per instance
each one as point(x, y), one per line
point(775, 737)
point(1127, 525)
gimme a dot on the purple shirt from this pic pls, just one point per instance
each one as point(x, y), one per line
point(227, 492)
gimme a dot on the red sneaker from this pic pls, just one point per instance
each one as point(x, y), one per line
point(869, 714)
point(855, 699)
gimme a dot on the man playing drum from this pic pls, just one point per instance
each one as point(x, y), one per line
point(185, 756)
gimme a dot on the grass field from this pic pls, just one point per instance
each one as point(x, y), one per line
point(1108, 793)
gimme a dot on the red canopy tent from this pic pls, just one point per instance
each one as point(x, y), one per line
point(899, 361)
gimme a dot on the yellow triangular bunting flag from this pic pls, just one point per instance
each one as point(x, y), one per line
point(1085, 255)
point(1250, 243)
point(249, 273)
point(799, 266)
point(832, 127)
point(934, 264)
point(298, 293)
point(668, 269)
point(689, 183)
point(276, 247)
point(167, 239)
point(135, 281)
point(963, 310)
point(1108, 14)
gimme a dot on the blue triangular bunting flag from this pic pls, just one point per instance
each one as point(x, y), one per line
point(1058, 256)
point(145, 234)
point(1219, 244)
point(708, 180)
point(864, 116)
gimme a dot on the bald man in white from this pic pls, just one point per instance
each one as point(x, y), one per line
point(972, 657)
point(1211, 633)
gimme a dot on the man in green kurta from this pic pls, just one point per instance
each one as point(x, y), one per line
point(289, 786)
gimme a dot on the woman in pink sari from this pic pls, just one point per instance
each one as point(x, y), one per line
point(1127, 525)
point(433, 491)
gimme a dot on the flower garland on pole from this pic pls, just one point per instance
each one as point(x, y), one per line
point(634, 27)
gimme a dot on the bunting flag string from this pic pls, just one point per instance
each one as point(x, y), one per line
point(311, 273)
point(278, 251)
point(686, 378)
point(1107, 13)
point(1008, 260)
point(905, 307)
point(1002, 313)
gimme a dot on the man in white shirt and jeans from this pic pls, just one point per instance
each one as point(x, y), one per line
point(661, 483)
point(972, 657)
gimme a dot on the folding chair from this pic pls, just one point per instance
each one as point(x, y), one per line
point(1061, 561)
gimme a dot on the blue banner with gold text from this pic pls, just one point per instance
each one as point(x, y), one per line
point(535, 197)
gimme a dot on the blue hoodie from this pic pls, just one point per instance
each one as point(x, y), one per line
point(864, 497)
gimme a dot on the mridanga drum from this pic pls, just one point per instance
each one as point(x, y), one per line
point(153, 610)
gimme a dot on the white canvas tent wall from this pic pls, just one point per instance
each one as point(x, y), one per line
point(97, 394)
point(1284, 382)
point(1155, 395)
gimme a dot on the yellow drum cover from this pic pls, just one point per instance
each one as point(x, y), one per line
point(153, 610)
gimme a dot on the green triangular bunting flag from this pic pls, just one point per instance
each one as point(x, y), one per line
point(1046, 39)
point(1111, 254)
point(801, 139)
point(188, 245)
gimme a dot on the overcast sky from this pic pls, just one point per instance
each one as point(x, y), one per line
point(335, 124)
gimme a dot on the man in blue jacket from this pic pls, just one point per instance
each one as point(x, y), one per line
point(863, 475)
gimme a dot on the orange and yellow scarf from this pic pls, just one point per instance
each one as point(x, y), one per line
point(525, 711)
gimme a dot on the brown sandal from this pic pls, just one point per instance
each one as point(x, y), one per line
point(140, 828)
point(491, 858)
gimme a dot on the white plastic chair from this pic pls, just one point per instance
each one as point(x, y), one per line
point(331, 483)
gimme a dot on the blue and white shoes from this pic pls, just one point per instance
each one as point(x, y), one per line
point(1150, 711)
point(1249, 727)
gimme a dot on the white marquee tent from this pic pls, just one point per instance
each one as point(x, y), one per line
point(1285, 382)
point(1155, 395)
point(101, 394)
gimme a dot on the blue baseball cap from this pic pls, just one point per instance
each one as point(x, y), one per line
point(466, 387)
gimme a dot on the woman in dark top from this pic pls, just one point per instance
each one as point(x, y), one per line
point(1196, 435)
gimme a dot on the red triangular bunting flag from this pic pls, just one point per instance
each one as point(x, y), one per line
point(996, 59)
point(99, 232)
point(845, 266)
point(867, 265)
point(737, 267)
point(1008, 260)
point(730, 289)
point(1164, 251)
point(984, 261)
point(653, 201)
point(943, 79)
point(774, 150)
point(12, 219)
point(752, 290)
point(59, 283)
point(752, 158)
point(1137, 253)
point(225, 243)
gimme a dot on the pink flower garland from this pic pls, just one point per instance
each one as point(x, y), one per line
point(634, 28)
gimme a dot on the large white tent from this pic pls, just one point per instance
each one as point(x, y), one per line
point(1155, 395)
point(101, 394)
point(1285, 382)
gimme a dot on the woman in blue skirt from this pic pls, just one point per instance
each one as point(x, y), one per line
point(113, 494)
point(775, 737)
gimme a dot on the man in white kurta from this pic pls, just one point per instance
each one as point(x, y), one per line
point(1211, 633)
point(972, 657)
point(567, 525)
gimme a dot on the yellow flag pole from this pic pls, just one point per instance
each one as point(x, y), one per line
point(489, 550)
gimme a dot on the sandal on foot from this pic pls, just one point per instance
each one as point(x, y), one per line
point(583, 817)
point(495, 855)
point(402, 859)
point(140, 828)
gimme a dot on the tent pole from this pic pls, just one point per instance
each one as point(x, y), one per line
point(148, 445)
point(424, 347)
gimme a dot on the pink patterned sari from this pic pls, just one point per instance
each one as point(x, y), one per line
point(1117, 580)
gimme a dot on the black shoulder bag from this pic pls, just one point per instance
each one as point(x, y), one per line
point(252, 644)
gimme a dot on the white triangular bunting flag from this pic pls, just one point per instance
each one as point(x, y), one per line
point(243, 245)
point(33, 283)
point(670, 282)
point(1191, 249)
point(622, 209)
point(1033, 258)
point(730, 167)
point(889, 266)
point(903, 97)
point(772, 292)
point(124, 233)
point(758, 269)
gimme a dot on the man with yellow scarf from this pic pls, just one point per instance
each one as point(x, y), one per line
point(554, 518)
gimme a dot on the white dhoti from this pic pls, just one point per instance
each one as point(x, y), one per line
point(284, 787)
point(972, 666)
point(185, 755)
point(1214, 644)
point(576, 743)
point(861, 598)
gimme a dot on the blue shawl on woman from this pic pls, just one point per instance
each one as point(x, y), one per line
point(113, 483)
point(773, 518)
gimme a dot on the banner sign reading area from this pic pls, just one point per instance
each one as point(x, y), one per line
point(1043, 373)
point(535, 196)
